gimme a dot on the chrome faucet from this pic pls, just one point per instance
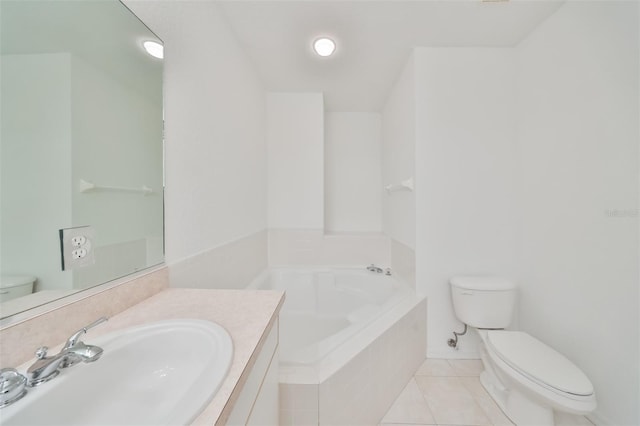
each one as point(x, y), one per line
point(73, 352)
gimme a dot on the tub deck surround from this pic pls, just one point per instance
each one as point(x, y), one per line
point(349, 338)
point(328, 306)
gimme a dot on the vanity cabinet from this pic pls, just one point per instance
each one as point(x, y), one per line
point(257, 404)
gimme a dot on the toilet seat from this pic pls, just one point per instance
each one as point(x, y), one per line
point(539, 363)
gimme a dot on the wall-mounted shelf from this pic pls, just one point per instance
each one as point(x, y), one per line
point(86, 186)
point(405, 185)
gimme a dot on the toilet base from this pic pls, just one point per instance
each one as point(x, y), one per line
point(525, 412)
point(520, 409)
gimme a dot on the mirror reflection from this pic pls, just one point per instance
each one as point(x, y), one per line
point(80, 146)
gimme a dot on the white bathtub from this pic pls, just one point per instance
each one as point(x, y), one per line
point(336, 317)
point(324, 307)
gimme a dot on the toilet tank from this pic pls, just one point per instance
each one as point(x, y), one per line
point(14, 286)
point(483, 301)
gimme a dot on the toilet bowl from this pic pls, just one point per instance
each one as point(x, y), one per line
point(527, 379)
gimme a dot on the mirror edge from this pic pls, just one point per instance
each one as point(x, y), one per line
point(45, 308)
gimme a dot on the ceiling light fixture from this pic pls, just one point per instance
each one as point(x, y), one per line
point(154, 49)
point(324, 46)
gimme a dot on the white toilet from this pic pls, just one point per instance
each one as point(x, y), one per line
point(526, 378)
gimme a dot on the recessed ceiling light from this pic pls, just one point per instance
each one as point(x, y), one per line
point(324, 46)
point(154, 49)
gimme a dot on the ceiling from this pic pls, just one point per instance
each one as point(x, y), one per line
point(374, 39)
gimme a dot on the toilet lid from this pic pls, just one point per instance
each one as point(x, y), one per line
point(539, 362)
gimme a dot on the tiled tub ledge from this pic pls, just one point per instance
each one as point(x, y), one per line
point(248, 316)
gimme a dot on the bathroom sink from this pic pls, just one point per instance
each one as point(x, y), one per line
point(163, 373)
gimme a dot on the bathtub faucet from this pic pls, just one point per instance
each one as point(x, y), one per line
point(374, 268)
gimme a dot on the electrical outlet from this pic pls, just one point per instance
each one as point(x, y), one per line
point(75, 247)
point(78, 240)
point(78, 253)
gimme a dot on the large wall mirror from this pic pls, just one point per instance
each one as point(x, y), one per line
point(80, 145)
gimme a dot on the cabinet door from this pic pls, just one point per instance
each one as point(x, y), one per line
point(263, 379)
point(265, 410)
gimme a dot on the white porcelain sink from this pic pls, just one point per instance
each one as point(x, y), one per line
point(163, 373)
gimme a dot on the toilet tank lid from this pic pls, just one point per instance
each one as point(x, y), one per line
point(486, 283)
point(8, 281)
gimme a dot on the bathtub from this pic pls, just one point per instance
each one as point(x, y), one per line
point(339, 326)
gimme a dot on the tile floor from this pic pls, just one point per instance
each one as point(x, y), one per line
point(448, 392)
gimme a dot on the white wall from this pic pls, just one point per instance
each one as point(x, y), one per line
point(579, 130)
point(302, 247)
point(527, 166)
point(465, 188)
point(214, 132)
point(295, 179)
point(35, 89)
point(398, 157)
point(352, 183)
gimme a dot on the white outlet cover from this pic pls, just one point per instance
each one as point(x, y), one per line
point(76, 247)
point(78, 240)
point(78, 253)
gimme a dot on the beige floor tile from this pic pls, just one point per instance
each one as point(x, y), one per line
point(484, 400)
point(405, 424)
point(410, 407)
point(453, 395)
point(475, 388)
point(435, 367)
point(450, 402)
point(466, 367)
point(566, 419)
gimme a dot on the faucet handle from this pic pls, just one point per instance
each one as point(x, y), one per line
point(12, 386)
point(41, 352)
point(71, 341)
